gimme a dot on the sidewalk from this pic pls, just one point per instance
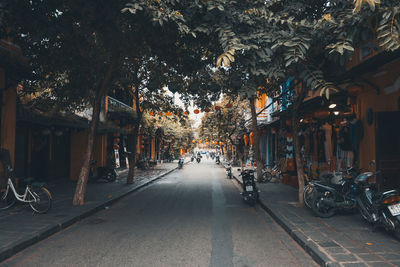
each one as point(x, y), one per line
point(20, 227)
point(342, 240)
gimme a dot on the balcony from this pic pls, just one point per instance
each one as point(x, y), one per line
point(117, 110)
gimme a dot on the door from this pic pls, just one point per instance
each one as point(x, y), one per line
point(388, 149)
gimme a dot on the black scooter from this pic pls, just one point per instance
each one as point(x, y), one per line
point(328, 198)
point(217, 160)
point(104, 174)
point(198, 159)
point(250, 193)
point(180, 163)
point(379, 209)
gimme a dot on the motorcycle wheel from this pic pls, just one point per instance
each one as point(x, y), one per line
point(319, 209)
point(308, 192)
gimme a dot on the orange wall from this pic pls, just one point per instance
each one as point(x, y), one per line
point(78, 146)
point(8, 121)
point(384, 102)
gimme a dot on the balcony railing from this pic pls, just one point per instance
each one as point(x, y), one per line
point(115, 105)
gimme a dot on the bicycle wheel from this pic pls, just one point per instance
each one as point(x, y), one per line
point(266, 177)
point(7, 198)
point(39, 199)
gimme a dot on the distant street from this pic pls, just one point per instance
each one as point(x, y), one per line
point(193, 217)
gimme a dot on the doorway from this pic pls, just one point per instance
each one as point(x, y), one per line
point(388, 149)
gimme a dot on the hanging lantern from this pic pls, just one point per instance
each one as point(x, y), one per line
point(116, 140)
point(252, 138)
point(354, 89)
point(116, 147)
point(200, 141)
point(229, 105)
point(206, 110)
point(220, 143)
point(142, 146)
point(196, 111)
point(217, 107)
point(245, 139)
point(206, 139)
point(160, 113)
point(215, 142)
point(206, 143)
point(186, 113)
point(193, 141)
point(168, 114)
point(151, 113)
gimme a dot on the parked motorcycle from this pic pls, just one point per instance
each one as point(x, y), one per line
point(328, 198)
point(180, 163)
point(198, 159)
point(250, 192)
point(192, 159)
point(379, 209)
point(104, 174)
point(228, 169)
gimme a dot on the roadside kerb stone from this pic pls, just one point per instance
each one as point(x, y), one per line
point(18, 245)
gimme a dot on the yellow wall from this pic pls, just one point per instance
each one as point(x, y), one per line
point(78, 147)
point(153, 148)
point(384, 102)
point(8, 121)
point(100, 150)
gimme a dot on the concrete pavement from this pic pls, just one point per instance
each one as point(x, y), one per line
point(342, 240)
point(191, 217)
point(20, 227)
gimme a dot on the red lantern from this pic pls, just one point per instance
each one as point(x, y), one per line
point(116, 147)
point(196, 111)
point(116, 140)
point(151, 113)
point(186, 113)
point(245, 139)
point(217, 107)
point(142, 146)
point(229, 105)
point(206, 110)
point(252, 139)
point(193, 141)
point(168, 113)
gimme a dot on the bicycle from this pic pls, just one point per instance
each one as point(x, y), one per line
point(269, 173)
point(39, 198)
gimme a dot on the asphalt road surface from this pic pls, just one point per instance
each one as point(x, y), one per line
point(193, 217)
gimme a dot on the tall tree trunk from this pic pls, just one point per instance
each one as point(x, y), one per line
point(133, 156)
point(79, 197)
point(297, 154)
point(259, 163)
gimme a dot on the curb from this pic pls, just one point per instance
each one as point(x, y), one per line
point(20, 245)
point(302, 240)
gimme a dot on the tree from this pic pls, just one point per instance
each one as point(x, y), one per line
point(224, 124)
point(305, 39)
point(79, 48)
